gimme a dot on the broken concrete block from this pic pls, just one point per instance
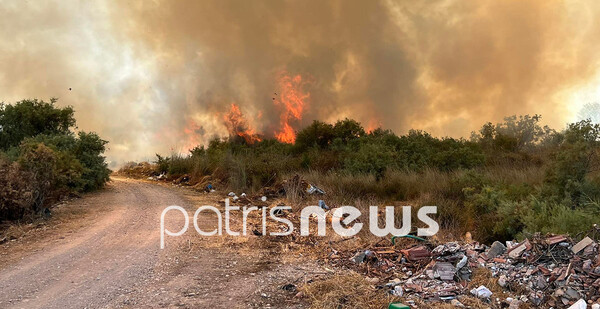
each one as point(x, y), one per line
point(516, 251)
point(444, 270)
point(572, 293)
point(495, 250)
point(582, 244)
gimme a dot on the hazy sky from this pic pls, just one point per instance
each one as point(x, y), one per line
point(157, 76)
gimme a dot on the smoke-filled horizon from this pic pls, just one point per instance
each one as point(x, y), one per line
point(161, 76)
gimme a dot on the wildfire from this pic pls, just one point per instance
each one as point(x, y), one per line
point(192, 130)
point(372, 125)
point(238, 125)
point(292, 102)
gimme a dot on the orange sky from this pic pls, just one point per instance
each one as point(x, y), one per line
point(152, 76)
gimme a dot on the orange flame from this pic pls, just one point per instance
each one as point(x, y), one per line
point(238, 125)
point(372, 125)
point(192, 130)
point(292, 101)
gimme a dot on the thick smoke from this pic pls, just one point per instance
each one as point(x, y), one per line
point(159, 76)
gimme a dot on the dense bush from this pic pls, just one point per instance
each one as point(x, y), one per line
point(508, 180)
point(15, 191)
point(43, 159)
point(29, 118)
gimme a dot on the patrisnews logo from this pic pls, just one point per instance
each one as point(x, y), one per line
point(342, 221)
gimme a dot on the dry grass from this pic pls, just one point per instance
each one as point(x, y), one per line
point(346, 291)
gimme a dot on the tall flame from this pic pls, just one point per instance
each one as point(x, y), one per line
point(192, 130)
point(238, 125)
point(292, 102)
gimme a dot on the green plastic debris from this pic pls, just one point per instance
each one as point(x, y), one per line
point(407, 236)
point(398, 306)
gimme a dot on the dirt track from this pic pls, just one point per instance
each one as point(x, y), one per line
point(113, 260)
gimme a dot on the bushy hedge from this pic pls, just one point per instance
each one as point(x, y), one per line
point(42, 160)
point(509, 179)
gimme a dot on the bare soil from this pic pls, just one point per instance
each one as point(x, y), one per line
point(103, 251)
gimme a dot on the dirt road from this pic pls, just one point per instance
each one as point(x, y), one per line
point(113, 260)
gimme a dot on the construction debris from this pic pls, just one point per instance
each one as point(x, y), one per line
point(547, 272)
point(481, 292)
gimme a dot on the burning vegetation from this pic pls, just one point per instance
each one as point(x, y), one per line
point(237, 125)
point(291, 103)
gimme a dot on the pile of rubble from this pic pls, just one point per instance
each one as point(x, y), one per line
point(551, 272)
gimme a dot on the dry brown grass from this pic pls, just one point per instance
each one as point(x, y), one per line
point(346, 291)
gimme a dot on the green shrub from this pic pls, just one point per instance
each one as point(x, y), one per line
point(28, 118)
point(52, 161)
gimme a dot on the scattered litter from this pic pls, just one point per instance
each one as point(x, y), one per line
point(361, 257)
point(289, 287)
point(398, 306)
point(456, 303)
point(312, 189)
point(323, 205)
point(580, 304)
point(397, 291)
point(481, 292)
point(550, 271)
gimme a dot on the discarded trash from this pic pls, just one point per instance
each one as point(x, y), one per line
point(397, 291)
point(361, 257)
point(323, 205)
point(544, 270)
point(456, 303)
point(231, 194)
point(264, 198)
point(289, 287)
point(312, 189)
point(407, 236)
point(398, 306)
point(482, 292)
point(580, 304)
point(462, 262)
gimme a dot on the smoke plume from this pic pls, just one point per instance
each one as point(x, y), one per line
point(160, 76)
